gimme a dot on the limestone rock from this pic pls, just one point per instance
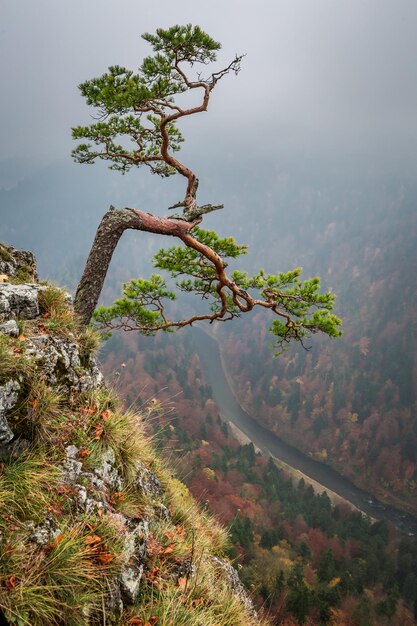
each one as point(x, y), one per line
point(71, 467)
point(18, 264)
point(45, 533)
point(9, 328)
point(135, 546)
point(19, 301)
point(13, 449)
point(107, 472)
point(8, 398)
point(59, 360)
point(130, 582)
point(235, 583)
point(148, 482)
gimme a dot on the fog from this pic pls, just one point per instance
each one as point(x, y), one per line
point(325, 79)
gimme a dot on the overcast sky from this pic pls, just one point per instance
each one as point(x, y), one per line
point(320, 76)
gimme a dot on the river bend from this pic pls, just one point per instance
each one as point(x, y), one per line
point(271, 445)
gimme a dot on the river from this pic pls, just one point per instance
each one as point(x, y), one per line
point(271, 445)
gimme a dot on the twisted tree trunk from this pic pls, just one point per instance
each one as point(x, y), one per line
point(111, 228)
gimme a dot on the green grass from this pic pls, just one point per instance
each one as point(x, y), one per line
point(89, 342)
point(57, 316)
point(5, 254)
point(13, 363)
point(107, 425)
point(63, 582)
point(26, 485)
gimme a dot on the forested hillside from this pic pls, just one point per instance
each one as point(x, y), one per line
point(353, 400)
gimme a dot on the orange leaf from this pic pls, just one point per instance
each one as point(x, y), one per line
point(168, 550)
point(58, 540)
point(180, 530)
point(105, 557)
point(99, 431)
point(100, 512)
point(116, 496)
point(21, 338)
point(106, 415)
point(153, 573)
point(135, 621)
point(83, 452)
point(182, 583)
point(92, 540)
point(88, 411)
point(34, 404)
point(169, 534)
point(11, 582)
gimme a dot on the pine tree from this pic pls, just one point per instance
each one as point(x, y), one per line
point(136, 125)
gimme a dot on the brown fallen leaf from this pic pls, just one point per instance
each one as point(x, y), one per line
point(182, 583)
point(88, 411)
point(117, 496)
point(105, 557)
point(153, 573)
point(99, 431)
point(169, 534)
point(92, 540)
point(11, 582)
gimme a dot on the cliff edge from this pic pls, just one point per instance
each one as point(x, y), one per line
point(94, 528)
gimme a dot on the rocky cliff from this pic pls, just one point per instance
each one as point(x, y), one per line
point(94, 527)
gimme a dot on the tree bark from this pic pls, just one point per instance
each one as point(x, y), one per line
point(111, 228)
